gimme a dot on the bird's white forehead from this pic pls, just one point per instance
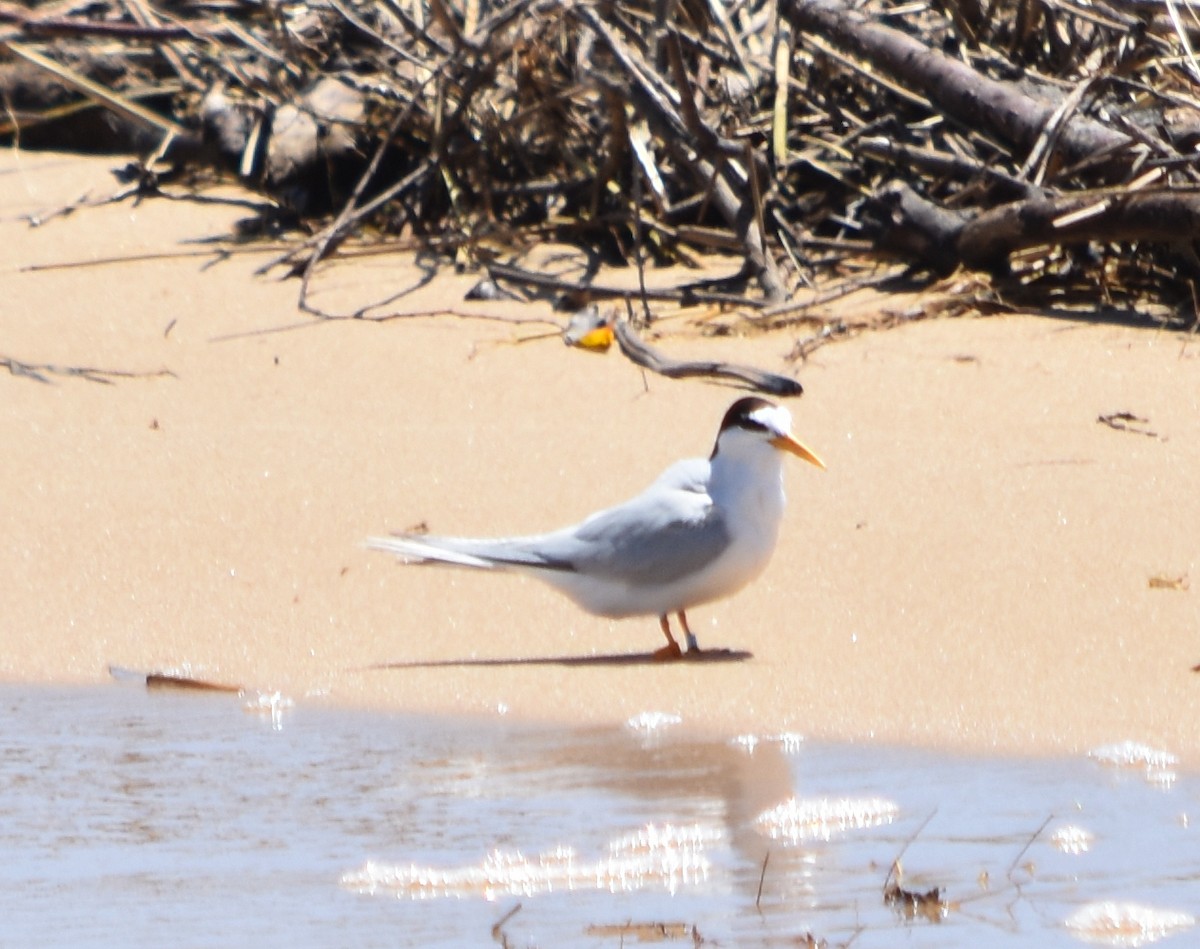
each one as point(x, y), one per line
point(774, 417)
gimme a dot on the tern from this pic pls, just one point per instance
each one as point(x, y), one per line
point(700, 533)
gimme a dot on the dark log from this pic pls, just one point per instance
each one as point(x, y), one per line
point(941, 239)
point(1161, 217)
point(999, 109)
point(915, 228)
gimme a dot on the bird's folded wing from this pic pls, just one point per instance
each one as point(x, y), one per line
point(657, 538)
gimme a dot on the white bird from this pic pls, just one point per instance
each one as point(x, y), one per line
point(701, 532)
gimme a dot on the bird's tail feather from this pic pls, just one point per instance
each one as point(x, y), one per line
point(499, 553)
point(420, 549)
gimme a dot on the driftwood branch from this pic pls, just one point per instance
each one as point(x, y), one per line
point(1160, 217)
point(945, 240)
point(641, 353)
point(962, 94)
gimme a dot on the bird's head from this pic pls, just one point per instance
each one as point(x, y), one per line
point(753, 421)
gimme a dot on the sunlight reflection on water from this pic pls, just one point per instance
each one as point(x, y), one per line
point(132, 817)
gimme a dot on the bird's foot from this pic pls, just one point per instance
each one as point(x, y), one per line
point(693, 646)
point(668, 652)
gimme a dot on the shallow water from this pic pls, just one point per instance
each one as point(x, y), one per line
point(130, 817)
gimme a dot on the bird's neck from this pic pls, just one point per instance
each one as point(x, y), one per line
point(749, 484)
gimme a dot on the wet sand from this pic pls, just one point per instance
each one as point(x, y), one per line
point(984, 566)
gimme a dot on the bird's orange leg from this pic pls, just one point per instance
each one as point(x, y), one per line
point(671, 650)
point(693, 646)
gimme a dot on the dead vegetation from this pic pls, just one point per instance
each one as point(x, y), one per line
point(1048, 146)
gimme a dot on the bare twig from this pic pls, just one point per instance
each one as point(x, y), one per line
point(762, 876)
point(40, 372)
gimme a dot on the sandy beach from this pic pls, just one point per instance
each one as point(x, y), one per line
point(983, 566)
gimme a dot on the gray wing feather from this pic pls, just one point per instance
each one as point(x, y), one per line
point(658, 537)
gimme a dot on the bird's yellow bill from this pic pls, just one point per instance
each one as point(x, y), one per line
point(800, 450)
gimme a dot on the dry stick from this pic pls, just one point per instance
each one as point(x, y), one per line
point(779, 116)
point(1029, 843)
point(687, 141)
point(171, 50)
point(828, 49)
point(955, 89)
point(907, 843)
point(307, 324)
point(647, 316)
point(918, 229)
point(1105, 16)
point(322, 236)
point(942, 163)
point(1119, 421)
point(751, 234)
point(94, 90)
point(640, 353)
point(1038, 161)
point(834, 328)
point(340, 229)
point(264, 49)
point(417, 31)
point(795, 311)
point(762, 877)
point(498, 932)
point(1182, 33)
point(664, 98)
point(471, 17)
point(90, 373)
point(49, 27)
point(446, 21)
point(354, 20)
point(687, 295)
point(717, 9)
point(690, 113)
point(137, 190)
point(759, 226)
point(1016, 885)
